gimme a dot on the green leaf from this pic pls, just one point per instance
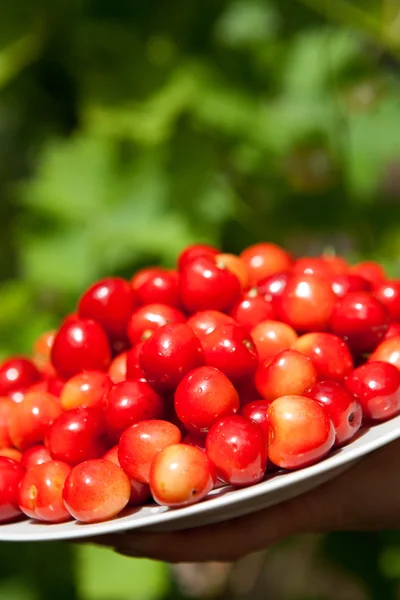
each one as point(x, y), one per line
point(247, 22)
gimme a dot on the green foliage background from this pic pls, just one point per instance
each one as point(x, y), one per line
point(130, 129)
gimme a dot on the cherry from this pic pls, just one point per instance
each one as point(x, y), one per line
point(388, 351)
point(349, 282)
point(140, 492)
point(235, 265)
point(361, 320)
point(80, 345)
point(247, 391)
point(272, 287)
point(117, 369)
point(238, 449)
point(301, 433)
point(110, 302)
point(170, 353)
point(336, 264)
point(257, 412)
point(252, 309)
point(341, 406)
point(205, 322)
point(393, 331)
point(203, 397)
point(289, 373)
point(141, 442)
point(11, 474)
point(196, 251)
point(271, 337)
point(370, 271)
point(143, 275)
point(195, 439)
point(133, 370)
point(6, 408)
point(311, 265)
point(306, 303)
point(77, 435)
point(11, 453)
point(96, 490)
point(42, 348)
point(265, 259)
point(17, 373)
point(205, 286)
point(389, 294)
point(180, 475)
point(159, 287)
point(31, 419)
point(85, 389)
point(54, 386)
point(129, 402)
point(147, 319)
point(377, 385)
point(36, 455)
point(329, 354)
point(230, 349)
point(41, 491)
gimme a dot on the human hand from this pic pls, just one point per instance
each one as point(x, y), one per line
point(364, 498)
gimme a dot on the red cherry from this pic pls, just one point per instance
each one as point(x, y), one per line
point(306, 303)
point(11, 453)
point(110, 302)
point(336, 264)
point(140, 492)
point(195, 439)
point(329, 354)
point(41, 490)
point(129, 402)
point(171, 352)
point(180, 475)
point(301, 433)
point(31, 419)
point(141, 442)
point(203, 397)
point(42, 347)
point(341, 406)
point(205, 286)
point(205, 322)
point(265, 259)
point(361, 320)
point(6, 408)
point(377, 386)
point(78, 346)
point(85, 389)
point(147, 319)
point(393, 331)
point(311, 265)
point(17, 373)
point(34, 456)
point(289, 373)
point(230, 349)
point(133, 370)
point(389, 294)
point(257, 412)
point(235, 265)
point(143, 275)
point(117, 369)
point(349, 282)
point(159, 287)
point(77, 435)
point(247, 391)
point(271, 337)
point(252, 309)
point(272, 287)
point(195, 251)
point(388, 351)
point(370, 271)
point(238, 449)
point(96, 490)
point(11, 474)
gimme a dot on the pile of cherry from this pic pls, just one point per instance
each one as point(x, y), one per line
point(223, 369)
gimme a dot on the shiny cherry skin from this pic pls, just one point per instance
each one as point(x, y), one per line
point(11, 474)
point(205, 286)
point(129, 402)
point(301, 433)
point(264, 259)
point(147, 319)
point(31, 419)
point(195, 251)
point(180, 475)
point(377, 385)
point(306, 303)
point(77, 435)
point(205, 322)
point(110, 302)
point(389, 294)
point(80, 345)
point(11, 453)
point(133, 370)
point(143, 275)
point(160, 287)
point(349, 282)
point(140, 492)
point(85, 389)
point(289, 373)
point(34, 456)
point(393, 331)
point(271, 337)
point(6, 408)
point(96, 490)
point(41, 492)
point(388, 351)
point(361, 320)
point(272, 287)
point(17, 373)
point(341, 406)
point(329, 354)
point(231, 349)
point(235, 265)
point(369, 270)
point(170, 353)
point(203, 397)
point(257, 412)
point(118, 367)
point(141, 442)
point(252, 309)
point(237, 447)
point(336, 264)
point(311, 265)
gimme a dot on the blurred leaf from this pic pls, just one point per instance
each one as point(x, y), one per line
point(17, 55)
point(16, 590)
point(246, 22)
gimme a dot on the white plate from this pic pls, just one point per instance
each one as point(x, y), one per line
point(222, 504)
